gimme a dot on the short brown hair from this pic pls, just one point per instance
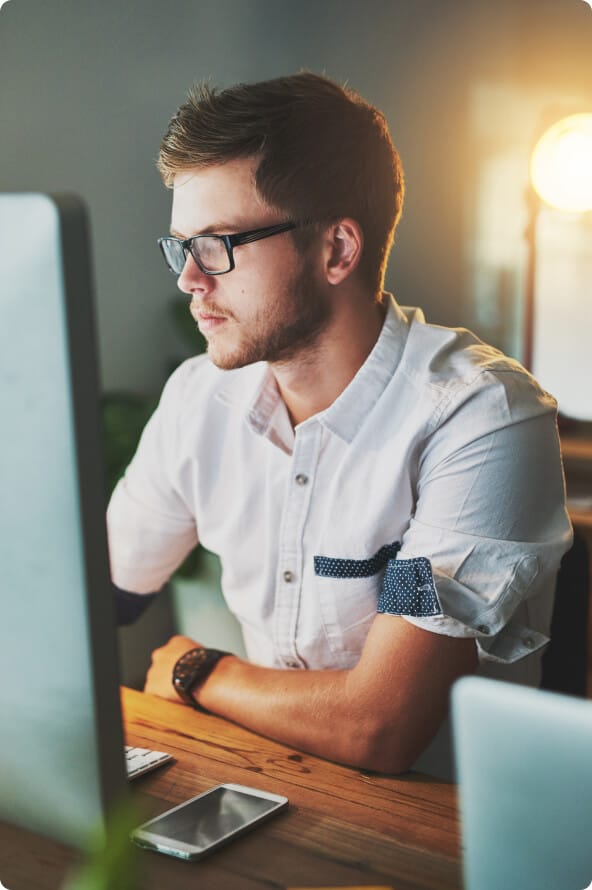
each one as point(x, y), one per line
point(324, 153)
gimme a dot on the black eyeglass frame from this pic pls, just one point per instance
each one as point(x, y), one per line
point(229, 241)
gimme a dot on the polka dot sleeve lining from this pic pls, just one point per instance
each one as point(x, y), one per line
point(408, 589)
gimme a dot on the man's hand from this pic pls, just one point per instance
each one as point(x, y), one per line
point(159, 679)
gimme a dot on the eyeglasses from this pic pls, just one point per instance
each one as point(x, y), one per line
point(213, 254)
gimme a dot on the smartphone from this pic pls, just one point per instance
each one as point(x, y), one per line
point(204, 823)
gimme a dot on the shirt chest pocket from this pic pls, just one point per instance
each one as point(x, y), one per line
point(347, 607)
point(348, 591)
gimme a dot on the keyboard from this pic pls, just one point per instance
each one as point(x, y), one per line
point(140, 760)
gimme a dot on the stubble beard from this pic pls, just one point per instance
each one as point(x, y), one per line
point(288, 331)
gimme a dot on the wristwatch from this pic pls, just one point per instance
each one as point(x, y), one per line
point(192, 669)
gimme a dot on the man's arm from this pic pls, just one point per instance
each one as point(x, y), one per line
point(379, 715)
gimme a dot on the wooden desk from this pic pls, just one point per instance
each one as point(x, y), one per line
point(344, 827)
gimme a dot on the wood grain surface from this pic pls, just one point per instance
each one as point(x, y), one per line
point(343, 828)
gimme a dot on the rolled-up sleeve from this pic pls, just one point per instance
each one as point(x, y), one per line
point(481, 554)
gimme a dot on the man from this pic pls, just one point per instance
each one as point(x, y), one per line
point(386, 496)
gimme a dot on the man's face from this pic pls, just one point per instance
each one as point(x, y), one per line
point(272, 306)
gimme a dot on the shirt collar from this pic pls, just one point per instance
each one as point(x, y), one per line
point(255, 387)
point(268, 416)
point(348, 412)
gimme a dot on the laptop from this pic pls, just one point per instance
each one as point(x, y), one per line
point(61, 741)
point(524, 763)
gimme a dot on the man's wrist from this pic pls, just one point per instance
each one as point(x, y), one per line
point(192, 670)
point(208, 693)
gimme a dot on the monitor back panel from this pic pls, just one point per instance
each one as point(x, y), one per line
point(61, 762)
point(524, 761)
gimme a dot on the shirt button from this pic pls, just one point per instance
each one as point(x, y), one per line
point(292, 664)
point(301, 479)
point(529, 642)
point(483, 629)
point(288, 577)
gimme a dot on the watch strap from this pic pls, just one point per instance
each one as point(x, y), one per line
point(192, 669)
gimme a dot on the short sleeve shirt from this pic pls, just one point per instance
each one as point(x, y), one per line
point(431, 489)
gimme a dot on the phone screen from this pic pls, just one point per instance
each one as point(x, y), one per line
point(208, 819)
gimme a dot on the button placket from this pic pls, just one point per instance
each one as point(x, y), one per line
point(290, 556)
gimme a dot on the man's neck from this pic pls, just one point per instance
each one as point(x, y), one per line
point(312, 381)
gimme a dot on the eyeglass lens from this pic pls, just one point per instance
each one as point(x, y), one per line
point(208, 251)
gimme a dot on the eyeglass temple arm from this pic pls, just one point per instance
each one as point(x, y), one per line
point(258, 234)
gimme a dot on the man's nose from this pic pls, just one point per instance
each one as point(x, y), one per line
point(192, 278)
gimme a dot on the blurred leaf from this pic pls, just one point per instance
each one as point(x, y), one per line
point(124, 417)
point(110, 864)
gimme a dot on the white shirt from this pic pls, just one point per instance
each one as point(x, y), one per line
point(432, 488)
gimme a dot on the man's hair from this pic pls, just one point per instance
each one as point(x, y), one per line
point(324, 154)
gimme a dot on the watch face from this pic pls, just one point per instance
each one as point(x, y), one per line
point(188, 669)
point(192, 669)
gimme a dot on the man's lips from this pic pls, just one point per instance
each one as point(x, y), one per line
point(208, 321)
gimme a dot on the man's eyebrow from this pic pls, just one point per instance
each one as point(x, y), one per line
point(219, 228)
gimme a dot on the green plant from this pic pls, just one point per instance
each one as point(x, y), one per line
point(124, 416)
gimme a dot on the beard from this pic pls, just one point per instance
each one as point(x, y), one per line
point(290, 328)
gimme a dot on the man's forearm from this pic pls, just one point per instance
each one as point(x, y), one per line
point(379, 715)
point(314, 711)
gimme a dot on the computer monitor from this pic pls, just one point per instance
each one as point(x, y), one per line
point(61, 740)
point(523, 761)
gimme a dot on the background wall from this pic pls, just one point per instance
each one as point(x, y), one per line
point(87, 88)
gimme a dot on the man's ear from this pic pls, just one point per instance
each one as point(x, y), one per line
point(344, 244)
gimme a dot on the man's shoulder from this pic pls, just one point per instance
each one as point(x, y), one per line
point(448, 365)
point(439, 355)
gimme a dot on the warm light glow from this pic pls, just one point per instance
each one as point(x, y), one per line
point(561, 164)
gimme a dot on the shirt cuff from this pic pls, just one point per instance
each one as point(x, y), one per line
point(130, 606)
point(410, 591)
